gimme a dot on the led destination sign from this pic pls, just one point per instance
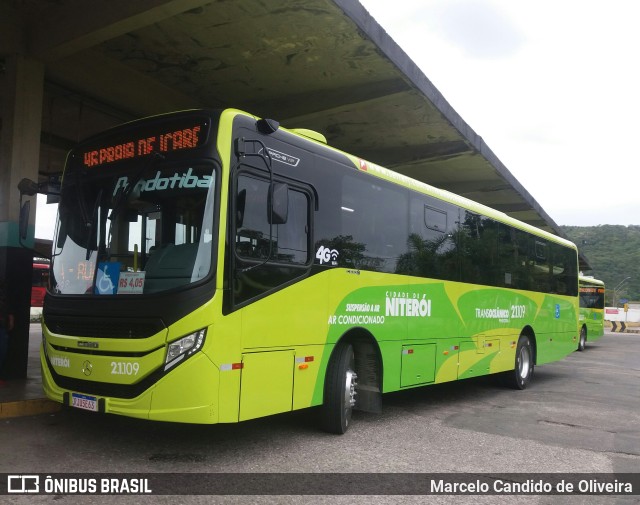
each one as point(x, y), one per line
point(143, 145)
point(591, 290)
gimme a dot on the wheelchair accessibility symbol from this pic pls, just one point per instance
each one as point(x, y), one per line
point(107, 278)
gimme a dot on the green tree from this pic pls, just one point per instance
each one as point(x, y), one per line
point(613, 251)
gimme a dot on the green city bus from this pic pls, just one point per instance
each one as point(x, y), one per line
point(591, 293)
point(214, 267)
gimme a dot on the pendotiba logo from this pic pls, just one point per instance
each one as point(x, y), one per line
point(178, 180)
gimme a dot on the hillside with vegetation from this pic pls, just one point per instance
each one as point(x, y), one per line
point(614, 253)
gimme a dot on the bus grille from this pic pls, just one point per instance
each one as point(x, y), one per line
point(104, 328)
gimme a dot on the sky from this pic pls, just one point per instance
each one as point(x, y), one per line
point(552, 86)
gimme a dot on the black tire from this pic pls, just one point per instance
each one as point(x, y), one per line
point(339, 390)
point(582, 342)
point(520, 376)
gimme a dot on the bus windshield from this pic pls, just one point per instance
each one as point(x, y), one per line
point(143, 228)
point(591, 296)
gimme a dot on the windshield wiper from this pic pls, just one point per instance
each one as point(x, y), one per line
point(92, 224)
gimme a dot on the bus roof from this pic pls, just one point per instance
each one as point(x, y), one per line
point(585, 279)
point(441, 194)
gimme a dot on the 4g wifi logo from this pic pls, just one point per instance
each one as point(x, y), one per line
point(23, 484)
point(326, 255)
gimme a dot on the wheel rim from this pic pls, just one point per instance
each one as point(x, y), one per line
point(350, 390)
point(524, 363)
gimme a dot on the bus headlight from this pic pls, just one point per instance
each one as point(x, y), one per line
point(184, 347)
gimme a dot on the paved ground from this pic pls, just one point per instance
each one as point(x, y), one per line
point(579, 415)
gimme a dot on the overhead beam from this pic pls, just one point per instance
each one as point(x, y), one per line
point(322, 104)
point(510, 208)
point(131, 91)
point(396, 156)
point(319, 104)
point(466, 186)
point(77, 25)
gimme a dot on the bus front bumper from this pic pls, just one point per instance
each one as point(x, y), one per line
point(188, 394)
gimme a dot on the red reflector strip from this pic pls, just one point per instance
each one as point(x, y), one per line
point(455, 347)
point(231, 366)
point(308, 358)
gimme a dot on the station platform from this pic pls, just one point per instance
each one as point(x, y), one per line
point(25, 397)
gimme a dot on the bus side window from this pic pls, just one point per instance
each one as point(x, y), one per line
point(508, 254)
point(431, 242)
point(479, 250)
point(374, 219)
point(564, 270)
point(524, 263)
point(542, 270)
point(268, 255)
point(289, 240)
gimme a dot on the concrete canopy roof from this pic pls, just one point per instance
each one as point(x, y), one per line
point(325, 65)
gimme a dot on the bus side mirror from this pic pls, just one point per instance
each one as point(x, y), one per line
point(25, 210)
point(278, 203)
point(28, 187)
point(53, 192)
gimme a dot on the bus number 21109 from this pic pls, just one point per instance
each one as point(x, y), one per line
point(124, 368)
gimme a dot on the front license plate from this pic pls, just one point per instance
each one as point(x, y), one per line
point(84, 402)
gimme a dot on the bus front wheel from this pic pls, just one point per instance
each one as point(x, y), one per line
point(520, 376)
point(339, 390)
point(583, 339)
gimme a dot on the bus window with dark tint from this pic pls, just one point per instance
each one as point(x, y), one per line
point(435, 219)
point(564, 270)
point(479, 250)
point(267, 255)
point(288, 242)
point(374, 218)
point(523, 269)
point(431, 244)
point(541, 273)
point(592, 297)
point(508, 256)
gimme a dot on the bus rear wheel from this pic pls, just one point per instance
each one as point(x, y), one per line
point(520, 376)
point(583, 339)
point(339, 390)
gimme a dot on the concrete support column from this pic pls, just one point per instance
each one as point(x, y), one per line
point(21, 90)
